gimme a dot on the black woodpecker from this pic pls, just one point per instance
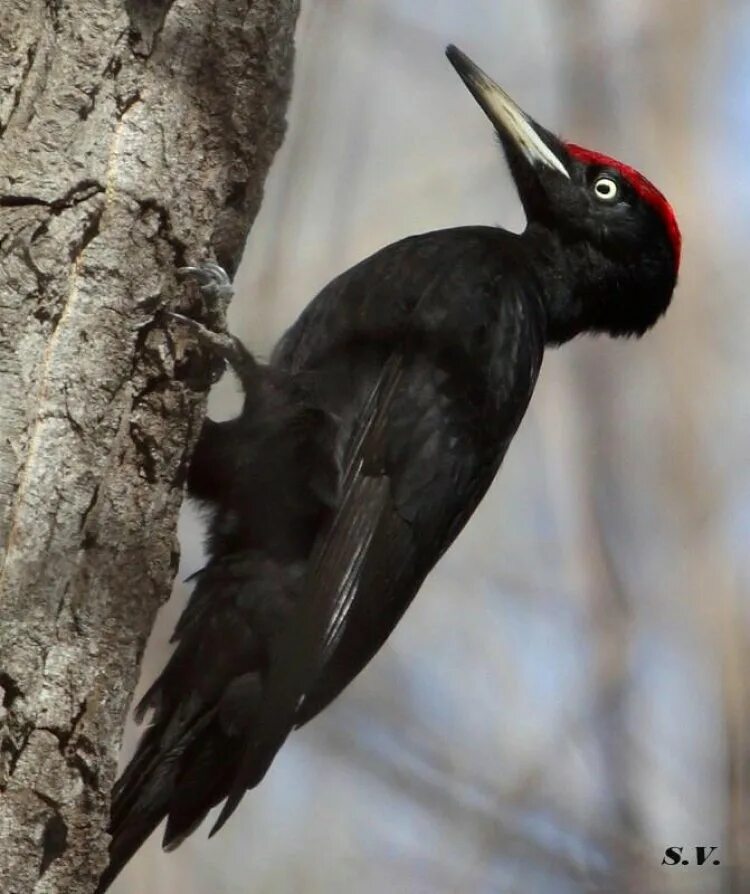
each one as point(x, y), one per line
point(362, 449)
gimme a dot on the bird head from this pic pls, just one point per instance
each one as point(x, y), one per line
point(611, 231)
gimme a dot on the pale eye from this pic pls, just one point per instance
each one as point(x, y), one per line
point(606, 189)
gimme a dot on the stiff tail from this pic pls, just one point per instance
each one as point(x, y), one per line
point(134, 817)
point(205, 704)
point(181, 784)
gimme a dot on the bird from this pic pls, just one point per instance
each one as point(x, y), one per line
point(363, 447)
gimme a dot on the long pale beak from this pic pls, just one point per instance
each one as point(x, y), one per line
point(510, 121)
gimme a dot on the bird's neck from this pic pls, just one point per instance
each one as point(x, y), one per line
point(574, 281)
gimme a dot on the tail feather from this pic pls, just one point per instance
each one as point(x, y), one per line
point(209, 769)
point(269, 479)
point(136, 822)
point(150, 790)
point(125, 844)
point(204, 706)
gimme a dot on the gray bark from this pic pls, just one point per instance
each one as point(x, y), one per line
point(135, 136)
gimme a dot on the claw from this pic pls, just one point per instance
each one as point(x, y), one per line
point(139, 327)
point(206, 273)
point(213, 280)
point(215, 284)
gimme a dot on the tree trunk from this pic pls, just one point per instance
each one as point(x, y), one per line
point(134, 137)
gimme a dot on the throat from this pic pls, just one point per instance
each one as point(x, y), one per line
point(561, 283)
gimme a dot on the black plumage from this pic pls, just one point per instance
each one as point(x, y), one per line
point(363, 448)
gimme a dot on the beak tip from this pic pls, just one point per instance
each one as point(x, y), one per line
point(464, 67)
point(510, 121)
point(451, 52)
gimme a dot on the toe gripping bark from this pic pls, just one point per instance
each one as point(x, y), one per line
point(216, 290)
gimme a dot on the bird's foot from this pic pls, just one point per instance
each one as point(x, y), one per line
point(208, 326)
point(212, 280)
point(221, 344)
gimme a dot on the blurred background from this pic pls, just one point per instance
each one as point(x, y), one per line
point(567, 696)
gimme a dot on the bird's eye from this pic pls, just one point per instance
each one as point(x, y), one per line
point(606, 189)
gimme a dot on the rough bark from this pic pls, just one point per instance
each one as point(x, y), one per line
point(134, 136)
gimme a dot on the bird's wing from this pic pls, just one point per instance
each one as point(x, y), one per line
point(407, 485)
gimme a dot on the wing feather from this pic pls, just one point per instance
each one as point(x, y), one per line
point(333, 582)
